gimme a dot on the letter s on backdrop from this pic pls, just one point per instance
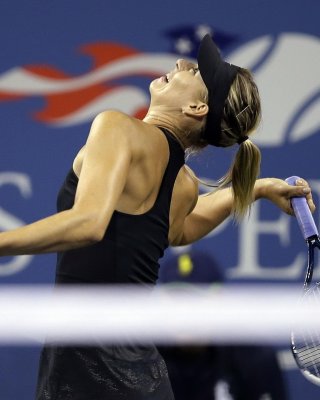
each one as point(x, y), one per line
point(9, 221)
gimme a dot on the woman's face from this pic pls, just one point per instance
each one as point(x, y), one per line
point(179, 87)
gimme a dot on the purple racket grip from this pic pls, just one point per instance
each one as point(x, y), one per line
point(302, 212)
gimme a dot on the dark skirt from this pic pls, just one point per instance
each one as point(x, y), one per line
point(102, 373)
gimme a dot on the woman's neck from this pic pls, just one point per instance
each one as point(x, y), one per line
point(170, 125)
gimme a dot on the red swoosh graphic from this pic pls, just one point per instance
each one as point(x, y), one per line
point(60, 105)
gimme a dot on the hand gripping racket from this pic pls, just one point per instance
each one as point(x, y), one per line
point(305, 342)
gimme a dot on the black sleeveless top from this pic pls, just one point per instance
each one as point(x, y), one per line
point(128, 253)
point(132, 245)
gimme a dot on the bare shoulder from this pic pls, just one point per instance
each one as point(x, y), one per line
point(125, 127)
point(191, 176)
point(118, 120)
point(112, 121)
point(109, 132)
point(186, 189)
point(110, 115)
point(184, 199)
point(192, 183)
point(115, 131)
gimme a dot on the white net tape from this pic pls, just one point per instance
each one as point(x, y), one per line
point(234, 314)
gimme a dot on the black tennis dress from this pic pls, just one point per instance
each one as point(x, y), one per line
point(128, 254)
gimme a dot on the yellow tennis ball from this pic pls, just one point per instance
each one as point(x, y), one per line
point(185, 265)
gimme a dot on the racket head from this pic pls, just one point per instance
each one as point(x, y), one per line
point(305, 341)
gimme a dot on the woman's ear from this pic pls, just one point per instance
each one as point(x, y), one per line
point(198, 110)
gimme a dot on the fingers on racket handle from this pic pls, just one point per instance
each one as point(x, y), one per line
point(302, 212)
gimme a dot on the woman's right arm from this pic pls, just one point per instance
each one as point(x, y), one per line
point(104, 171)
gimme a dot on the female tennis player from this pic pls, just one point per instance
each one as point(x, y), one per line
point(129, 195)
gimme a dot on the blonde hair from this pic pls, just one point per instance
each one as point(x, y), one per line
point(241, 116)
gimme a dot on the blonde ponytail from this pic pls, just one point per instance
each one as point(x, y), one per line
point(242, 175)
point(242, 114)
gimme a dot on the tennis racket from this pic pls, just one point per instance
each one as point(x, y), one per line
point(305, 342)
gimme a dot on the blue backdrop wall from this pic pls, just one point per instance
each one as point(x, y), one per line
point(62, 62)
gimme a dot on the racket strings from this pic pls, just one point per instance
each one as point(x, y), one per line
point(309, 356)
point(307, 343)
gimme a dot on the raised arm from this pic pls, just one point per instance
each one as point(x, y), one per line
point(213, 208)
point(106, 162)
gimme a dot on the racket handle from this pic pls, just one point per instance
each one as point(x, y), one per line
point(302, 212)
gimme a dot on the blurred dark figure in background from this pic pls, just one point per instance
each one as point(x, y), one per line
point(217, 372)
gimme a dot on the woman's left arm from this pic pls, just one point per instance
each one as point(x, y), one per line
point(212, 209)
point(280, 193)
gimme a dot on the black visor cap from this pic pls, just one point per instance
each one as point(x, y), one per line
point(218, 77)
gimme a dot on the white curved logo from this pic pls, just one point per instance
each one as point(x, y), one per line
point(287, 74)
